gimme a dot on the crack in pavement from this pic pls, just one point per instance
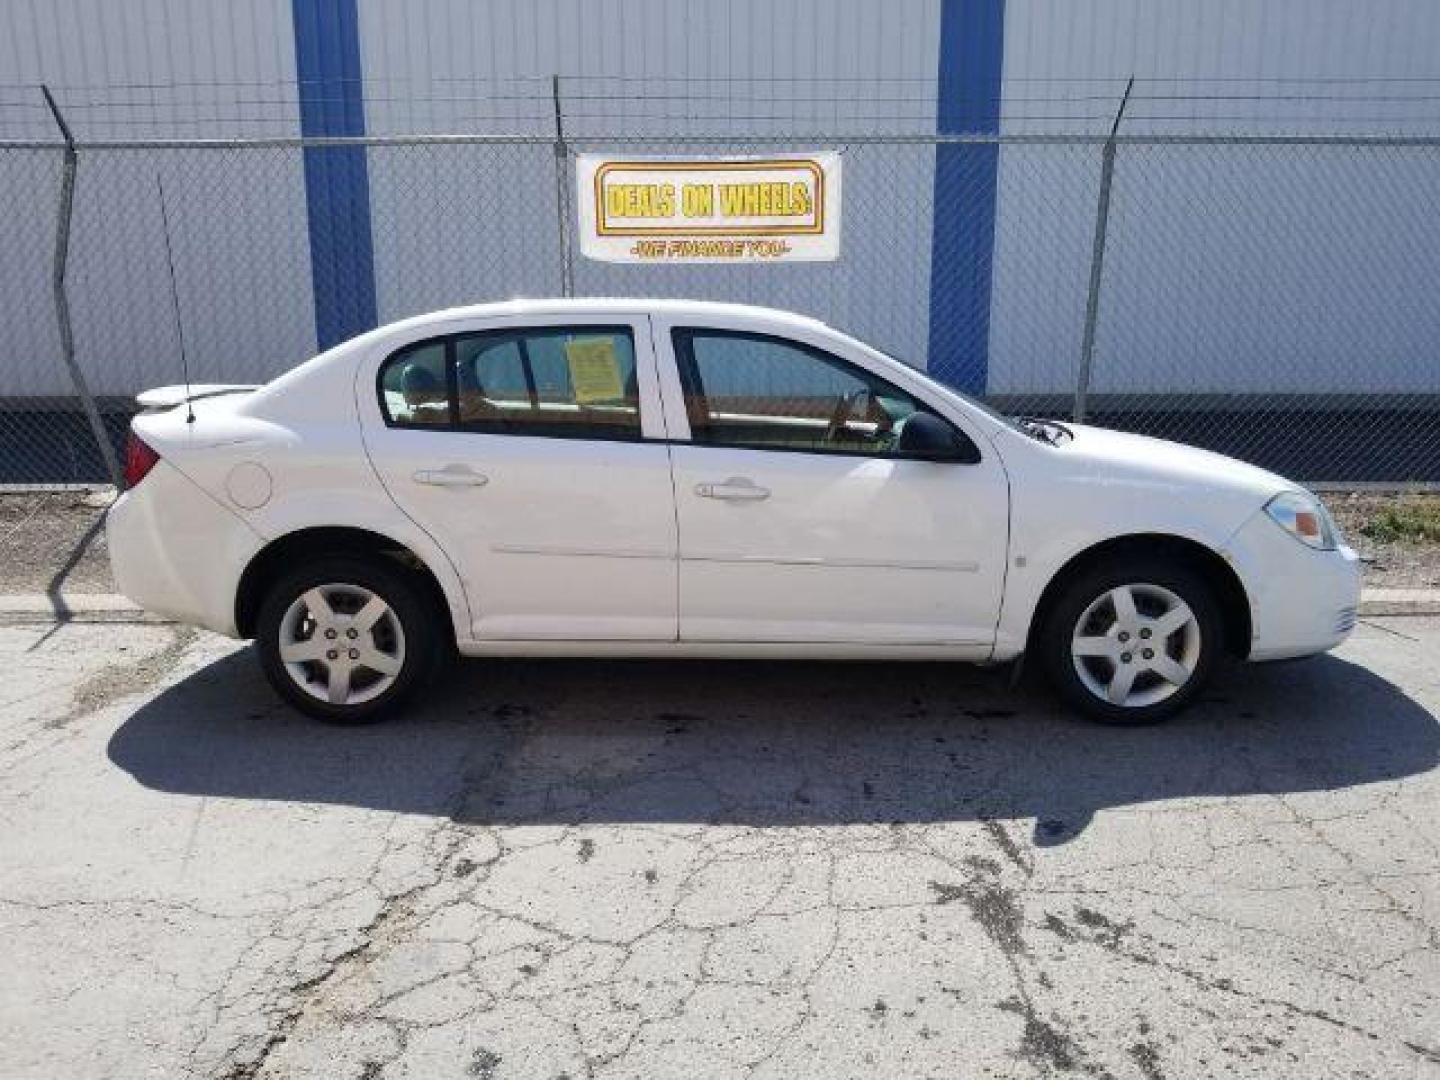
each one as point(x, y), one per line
point(600, 884)
point(1046, 1040)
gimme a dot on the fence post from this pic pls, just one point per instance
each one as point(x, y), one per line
point(562, 193)
point(1097, 261)
point(62, 301)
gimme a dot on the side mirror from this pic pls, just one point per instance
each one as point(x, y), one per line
point(925, 436)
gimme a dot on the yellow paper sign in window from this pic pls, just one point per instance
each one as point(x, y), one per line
point(594, 370)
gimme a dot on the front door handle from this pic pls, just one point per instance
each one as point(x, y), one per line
point(455, 476)
point(735, 489)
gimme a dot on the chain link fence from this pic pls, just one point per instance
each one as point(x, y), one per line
point(1268, 297)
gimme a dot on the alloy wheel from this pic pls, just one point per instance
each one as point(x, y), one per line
point(342, 643)
point(1136, 645)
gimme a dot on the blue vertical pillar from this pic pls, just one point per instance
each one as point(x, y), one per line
point(337, 184)
point(972, 46)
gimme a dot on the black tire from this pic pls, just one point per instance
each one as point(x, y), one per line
point(1077, 595)
point(420, 625)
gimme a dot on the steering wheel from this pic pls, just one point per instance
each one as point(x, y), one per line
point(844, 408)
point(886, 424)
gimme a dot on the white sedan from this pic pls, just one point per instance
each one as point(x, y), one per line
point(668, 478)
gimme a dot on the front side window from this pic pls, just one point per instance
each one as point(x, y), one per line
point(569, 382)
point(752, 390)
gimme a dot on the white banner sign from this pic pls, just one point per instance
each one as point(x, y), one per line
point(784, 208)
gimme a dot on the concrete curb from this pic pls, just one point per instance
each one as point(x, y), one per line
point(1400, 602)
point(28, 609)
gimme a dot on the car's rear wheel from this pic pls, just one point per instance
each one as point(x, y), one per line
point(1132, 642)
point(345, 640)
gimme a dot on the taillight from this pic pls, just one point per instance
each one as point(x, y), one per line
point(139, 459)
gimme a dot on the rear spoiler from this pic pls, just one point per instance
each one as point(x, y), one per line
point(168, 397)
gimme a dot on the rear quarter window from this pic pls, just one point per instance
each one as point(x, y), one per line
point(413, 387)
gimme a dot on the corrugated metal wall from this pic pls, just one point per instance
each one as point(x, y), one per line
point(158, 69)
point(210, 67)
point(1188, 304)
point(152, 68)
point(646, 67)
point(1239, 42)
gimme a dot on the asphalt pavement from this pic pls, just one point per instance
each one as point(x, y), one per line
point(644, 869)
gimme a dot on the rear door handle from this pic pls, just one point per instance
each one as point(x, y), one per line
point(452, 476)
point(735, 489)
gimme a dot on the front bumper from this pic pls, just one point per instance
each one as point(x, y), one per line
point(1302, 601)
point(177, 552)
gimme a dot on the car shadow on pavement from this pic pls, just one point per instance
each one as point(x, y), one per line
point(757, 744)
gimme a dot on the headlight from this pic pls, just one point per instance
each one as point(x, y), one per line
point(1304, 517)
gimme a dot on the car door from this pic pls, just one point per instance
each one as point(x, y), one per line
point(801, 520)
point(533, 452)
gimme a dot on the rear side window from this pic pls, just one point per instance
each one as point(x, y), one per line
point(567, 382)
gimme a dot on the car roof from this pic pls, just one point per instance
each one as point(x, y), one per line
point(611, 306)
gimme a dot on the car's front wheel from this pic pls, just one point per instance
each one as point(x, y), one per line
point(345, 640)
point(1132, 642)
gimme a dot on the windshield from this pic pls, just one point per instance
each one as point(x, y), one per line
point(951, 392)
point(1051, 432)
